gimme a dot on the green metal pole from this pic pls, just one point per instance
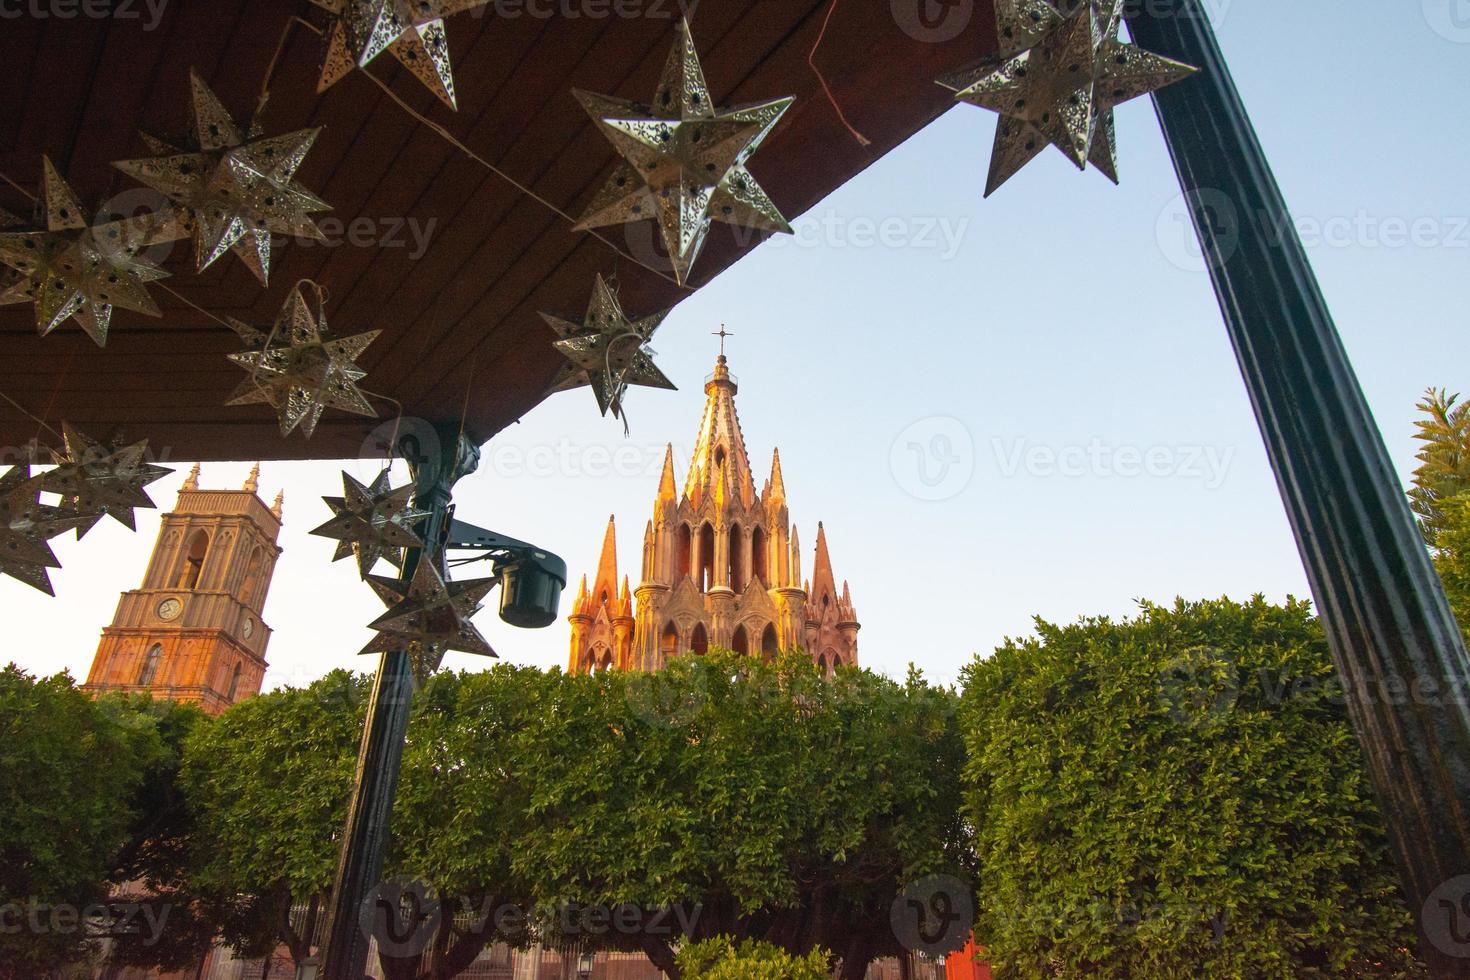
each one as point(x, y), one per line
point(1397, 648)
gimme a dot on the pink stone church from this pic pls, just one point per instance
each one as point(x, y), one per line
point(721, 567)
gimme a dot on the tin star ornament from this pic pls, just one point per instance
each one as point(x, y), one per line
point(300, 369)
point(1061, 72)
point(607, 351)
point(683, 160)
point(234, 188)
point(411, 30)
point(73, 269)
point(26, 525)
point(95, 481)
point(372, 522)
point(427, 617)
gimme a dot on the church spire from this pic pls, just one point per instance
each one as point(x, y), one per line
point(666, 488)
point(776, 486)
point(720, 444)
point(822, 580)
point(606, 585)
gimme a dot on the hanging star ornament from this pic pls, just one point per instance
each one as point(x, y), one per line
point(607, 351)
point(95, 481)
point(683, 160)
point(427, 617)
point(299, 369)
point(410, 30)
point(233, 188)
point(73, 269)
point(26, 525)
point(372, 522)
point(1061, 72)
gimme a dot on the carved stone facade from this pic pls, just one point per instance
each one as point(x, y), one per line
point(721, 567)
point(193, 631)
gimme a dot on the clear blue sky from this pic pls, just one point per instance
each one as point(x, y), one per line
point(1012, 370)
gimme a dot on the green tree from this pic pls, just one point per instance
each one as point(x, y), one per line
point(1452, 557)
point(268, 783)
point(69, 775)
point(1444, 460)
point(1179, 794)
point(721, 959)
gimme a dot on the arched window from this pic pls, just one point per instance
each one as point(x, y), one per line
point(253, 583)
point(699, 641)
point(668, 643)
point(740, 643)
point(706, 558)
point(734, 566)
point(829, 662)
point(720, 458)
point(149, 673)
point(234, 685)
point(758, 557)
point(194, 561)
point(685, 550)
point(769, 643)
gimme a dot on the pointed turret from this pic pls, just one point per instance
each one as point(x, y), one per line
point(776, 485)
point(279, 507)
point(252, 482)
point(795, 575)
point(606, 585)
point(625, 602)
point(822, 581)
point(191, 482)
point(667, 489)
point(720, 444)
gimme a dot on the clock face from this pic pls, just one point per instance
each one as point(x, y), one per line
point(248, 629)
point(169, 609)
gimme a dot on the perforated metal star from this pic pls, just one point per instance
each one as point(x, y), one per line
point(372, 522)
point(411, 30)
point(300, 370)
point(26, 525)
point(607, 351)
point(95, 481)
point(234, 188)
point(684, 160)
point(428, 617)
point(1061, 72)
point(75, 269)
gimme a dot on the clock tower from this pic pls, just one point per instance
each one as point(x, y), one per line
point(193, 631)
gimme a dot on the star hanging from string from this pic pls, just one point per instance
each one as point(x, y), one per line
point(299, 369)
point(684, 160)
point(26, 525)
point(1061, 72)
point(607, 351)
point(427, 617)
point(95, 481)
point(411, 30)
point(75, 269)
point(234, 188)
point(372, 522)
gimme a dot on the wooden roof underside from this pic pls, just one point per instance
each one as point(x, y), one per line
point(460, 324)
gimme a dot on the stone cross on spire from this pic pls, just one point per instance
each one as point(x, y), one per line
point(722, 333)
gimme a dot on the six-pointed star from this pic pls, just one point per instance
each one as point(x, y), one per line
point(299, 372)
point(412, 30)
point(236, 189)
point(95, 480)
point(25, 526)
point(607, 351)
point(76, 269)
point(684, 160)
point(372, 522)
point(1061, 85)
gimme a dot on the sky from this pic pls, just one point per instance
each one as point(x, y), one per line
point(1001, 409)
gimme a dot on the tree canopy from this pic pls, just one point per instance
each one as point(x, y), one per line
point(1444, 460)
point(722, 959)
point(1179, 794)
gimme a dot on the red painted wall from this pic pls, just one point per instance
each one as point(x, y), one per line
point(964, 965)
